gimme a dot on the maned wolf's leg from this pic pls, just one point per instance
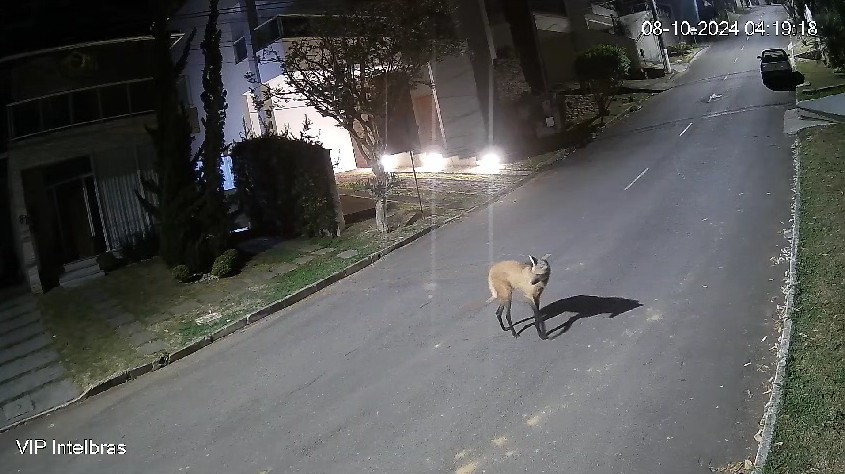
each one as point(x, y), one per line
point(499, 315)
point(508, 315)
point(539, 321)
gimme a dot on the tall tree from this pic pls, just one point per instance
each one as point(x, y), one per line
point(353, 66)
point(214, 213)
point(174, 195)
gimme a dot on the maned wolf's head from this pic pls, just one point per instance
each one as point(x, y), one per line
point(540, 266)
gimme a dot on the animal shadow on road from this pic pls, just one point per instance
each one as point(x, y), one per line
point(584, 307)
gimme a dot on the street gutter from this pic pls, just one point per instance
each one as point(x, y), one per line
point(772, 407)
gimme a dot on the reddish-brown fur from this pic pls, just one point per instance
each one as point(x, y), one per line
point(526, 279)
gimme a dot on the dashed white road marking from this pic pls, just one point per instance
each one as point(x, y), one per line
point(685, 129)
point(635, 179)
point(736, 59)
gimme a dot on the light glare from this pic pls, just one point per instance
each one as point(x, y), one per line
point(389, 163)
point(490, 162)
point(433, 162)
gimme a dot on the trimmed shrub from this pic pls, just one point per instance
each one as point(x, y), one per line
point(602, 68)
point(182, 273)
point(284, 185)
point(602, 63)
point(315, 212)
point(108, 262)
point(226, 264)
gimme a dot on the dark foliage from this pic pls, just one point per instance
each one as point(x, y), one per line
point(213, 212)
point(182, 273)
point(284, 185)
point(602, 68)
point(227, 264)
point(172, 198)
point(108, 262)
point(140, 246)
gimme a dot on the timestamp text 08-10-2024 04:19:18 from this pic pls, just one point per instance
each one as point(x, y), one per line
point(729, 28)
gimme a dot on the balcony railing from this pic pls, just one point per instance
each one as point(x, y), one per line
point(81, 106)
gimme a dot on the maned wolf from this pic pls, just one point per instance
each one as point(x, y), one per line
point(529, 279)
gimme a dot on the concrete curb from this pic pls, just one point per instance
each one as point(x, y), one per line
point(770, 411)
point(167, 359)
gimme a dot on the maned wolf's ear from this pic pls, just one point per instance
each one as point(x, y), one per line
point(533, 260)
point(546, 257)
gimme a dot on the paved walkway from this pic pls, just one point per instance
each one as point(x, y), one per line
point(831, 107)
point(793, 122)
point(32, 379)
point(124, 322)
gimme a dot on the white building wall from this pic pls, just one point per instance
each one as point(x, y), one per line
point(291, 114)
point(648, 46)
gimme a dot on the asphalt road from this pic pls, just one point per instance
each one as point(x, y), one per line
point(401, 368)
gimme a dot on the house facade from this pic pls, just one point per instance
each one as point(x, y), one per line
point(449, 118)
point(76, 149)
point(564, 28)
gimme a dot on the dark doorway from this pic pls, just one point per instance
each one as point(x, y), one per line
point(72, 194)
point(78, 218)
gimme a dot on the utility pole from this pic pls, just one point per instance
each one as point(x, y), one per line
point(667, 66)
point(491, 80)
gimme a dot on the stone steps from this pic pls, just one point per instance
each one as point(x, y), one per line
point(32, 378)
point(78, 273)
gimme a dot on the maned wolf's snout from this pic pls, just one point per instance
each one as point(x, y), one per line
point(529, 279)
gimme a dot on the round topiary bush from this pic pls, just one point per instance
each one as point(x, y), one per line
point(182, 273)
point(226, 264)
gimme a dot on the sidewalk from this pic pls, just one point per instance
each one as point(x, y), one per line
point(831, 107)
point(32, 379)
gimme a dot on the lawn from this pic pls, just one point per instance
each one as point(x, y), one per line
point(810, 431)
point(820, 81)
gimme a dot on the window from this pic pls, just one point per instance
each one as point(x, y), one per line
point(141, 96)
point(115, 100)
point(266, 34)
point(26, 118)
point(55, 111)
point(774, 56)
point(296, 27)
point(240, 49)
point(86, 106)
point(82, 106)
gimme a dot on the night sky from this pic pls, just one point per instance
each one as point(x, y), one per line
point(29, 25)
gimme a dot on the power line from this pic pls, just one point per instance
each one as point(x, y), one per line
point(239, 9)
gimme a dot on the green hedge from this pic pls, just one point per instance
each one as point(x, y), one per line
point(284, 185)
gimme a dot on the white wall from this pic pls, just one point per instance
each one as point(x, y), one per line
point(648, 44)
point(460, 107)
point(292, 114)
point(232, 23)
